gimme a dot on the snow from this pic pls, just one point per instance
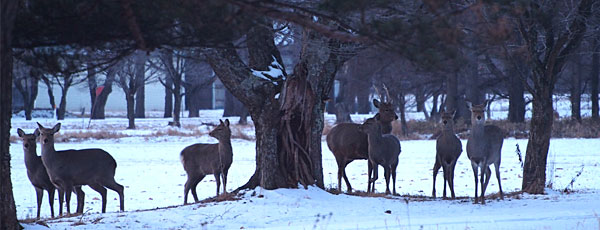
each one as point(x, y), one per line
point(274, 73)
point(150, 170)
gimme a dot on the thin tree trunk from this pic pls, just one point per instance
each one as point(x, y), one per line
point(362, 98)
point(576, 91)
point(177, 105)
point(129, 97)
point(62, 107)
point(140, 78)
point(8, 210)
point(402, 107)
point(102, 98)
point(451, 92)
point(92, 86)
point(49, 91)
point(168, 97)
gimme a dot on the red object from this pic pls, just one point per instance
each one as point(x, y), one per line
point(99, 90)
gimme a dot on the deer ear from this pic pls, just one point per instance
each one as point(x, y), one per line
point(377, 116)
point(395, 117)
point(40, 125)
point(220, 121)
point(227, 122)
point(20, 132)
point(36, 132)
point(376, 103)
point(56, 128)
point(469, 104)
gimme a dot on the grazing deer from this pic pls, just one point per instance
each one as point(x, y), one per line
point(448, 149)
point(483, 148)
point(36, 172)
point(200, 160)
point(68, 168)
point(384, 150)
point(347, 143)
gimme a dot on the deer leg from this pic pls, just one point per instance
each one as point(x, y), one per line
point(348, 186)
point(51, 200)
point(436, 169)
point(193, 185)
point(475, 169)
point(39, 192)
point(488, 173)
point(451, 179)
point(497, 166)
point(80, 198)
point(369, 174)
point(113, 185)
point(218, 180)
point(224, 176)
point(341, 167)
point(61, 196)
point(68, 191)
point(188, 185)
point(100, 189)
point(394, 177)
point(386, 174)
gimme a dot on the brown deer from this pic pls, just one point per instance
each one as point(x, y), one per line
point(347, 143)
point(448, 149)
point(68, 168)
point(384, 150)
point(483, 149)
point(36, 172)
point(200, 160)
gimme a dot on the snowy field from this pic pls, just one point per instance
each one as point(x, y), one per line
point(150, 170)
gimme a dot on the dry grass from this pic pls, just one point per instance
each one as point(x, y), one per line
point(178, 132)
point(237, 132)
point(81, 135)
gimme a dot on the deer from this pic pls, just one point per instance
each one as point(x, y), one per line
point(484, 148)
point(202, 159)
point(347, 143)
point(36, 172)
point(448, 149)
point(384, 150)
point(67, 168)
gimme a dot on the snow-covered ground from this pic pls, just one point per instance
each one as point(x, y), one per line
point(150, 170)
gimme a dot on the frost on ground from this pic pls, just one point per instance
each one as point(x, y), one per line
point(149, 168)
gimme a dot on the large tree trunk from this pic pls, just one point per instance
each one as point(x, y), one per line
point(452, 93)
point(8, 210)
point(595, 74)
point(140, 78)
point(362, 99)
point(102, 98)
point(534, 170)
point(62, 107)
point(177, 105)
point(278, 163)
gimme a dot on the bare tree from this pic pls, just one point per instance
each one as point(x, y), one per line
point(551, 31)
point(129, 81)
point(26, 81)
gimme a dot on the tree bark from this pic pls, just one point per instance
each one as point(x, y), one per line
point(534, 170)
point(595, 74)
point(8, 210)
point(129, 97)
point(168, 98)
point(516, 99)
point(92, 86)
point(102, 98)
point(140, 78)
point(49, 91)
point(28, 88)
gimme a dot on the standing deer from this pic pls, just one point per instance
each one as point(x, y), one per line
point(200, 160)
point(448, 149)
point(483, 148)
point(68, 168)
point(347, 143)
point(384, 150)
point(36, 172)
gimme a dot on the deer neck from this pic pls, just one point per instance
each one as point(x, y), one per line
point(477, 130)
point(375, 140)
point(48, 150)
point(225, 146)
point(31, 156)
point(386, 127)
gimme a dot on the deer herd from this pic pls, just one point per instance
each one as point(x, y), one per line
point(68, 170)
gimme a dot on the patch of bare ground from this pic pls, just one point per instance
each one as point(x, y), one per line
point(421, 198)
